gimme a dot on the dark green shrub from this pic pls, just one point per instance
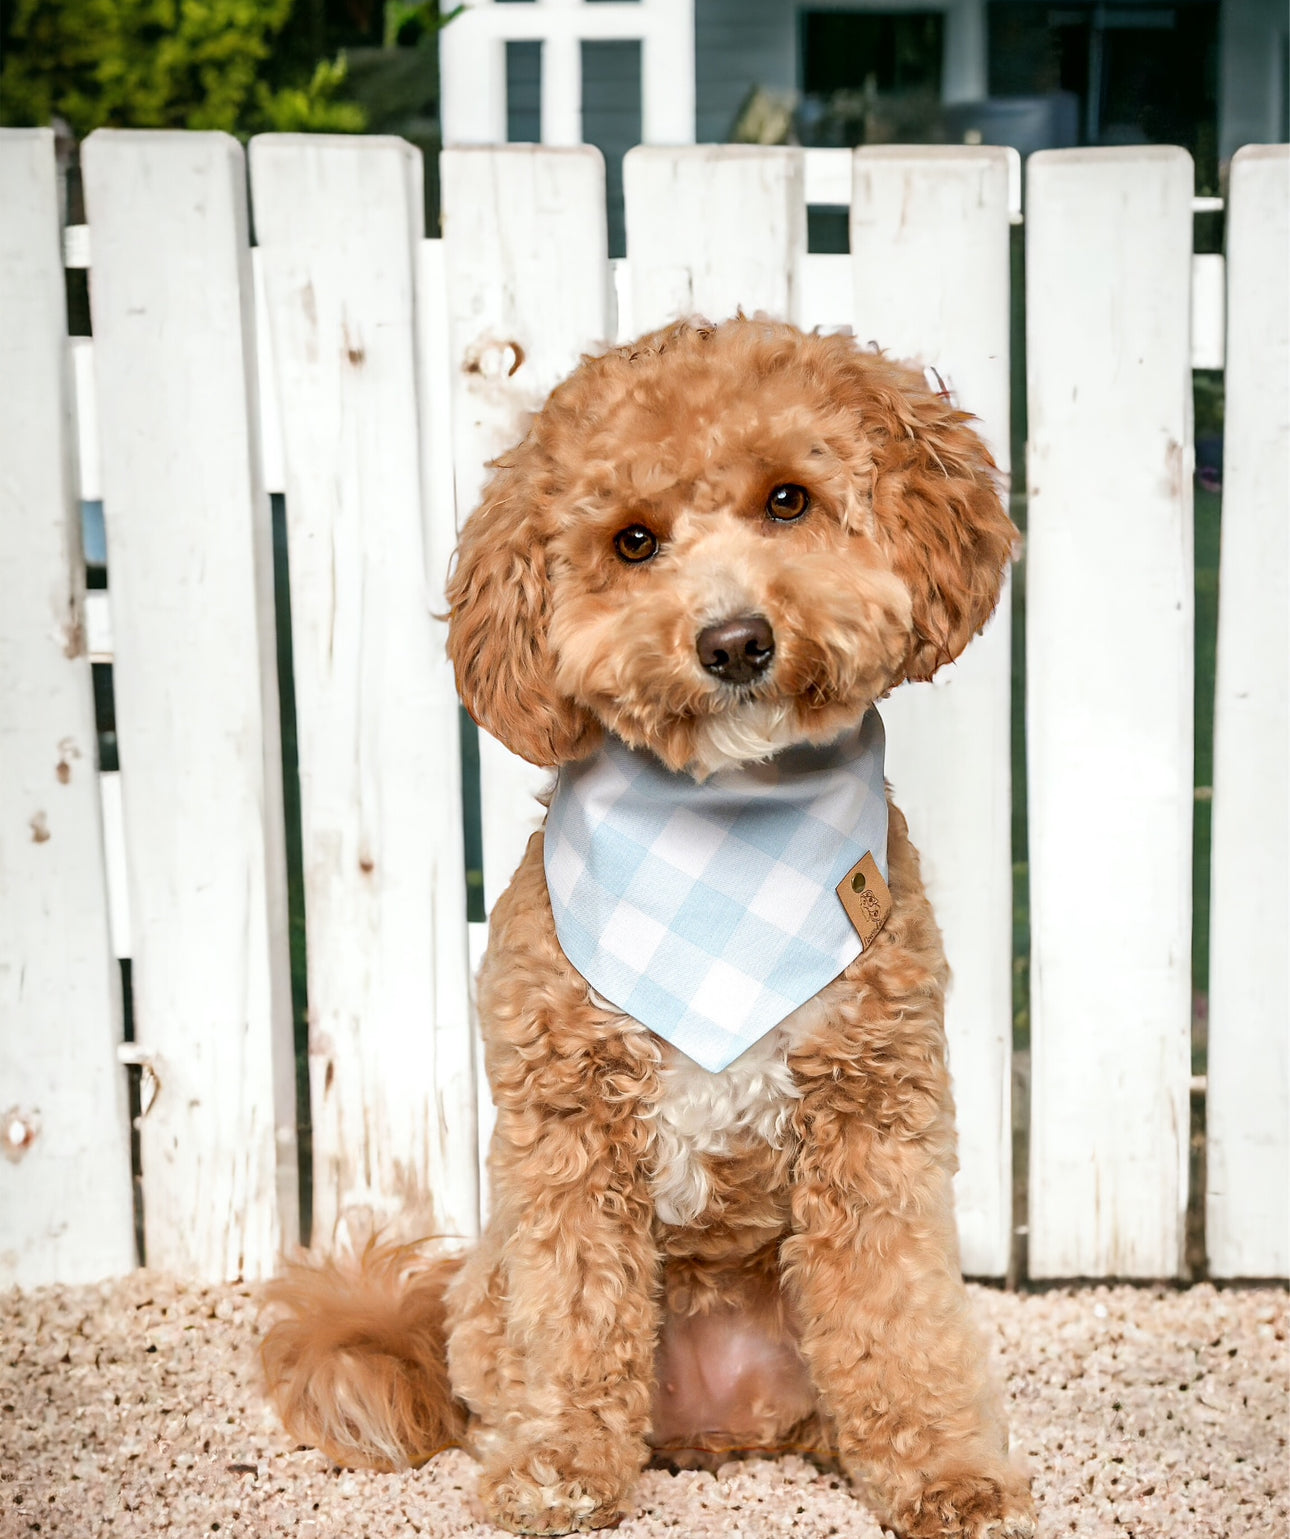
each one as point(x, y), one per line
point(162, 64)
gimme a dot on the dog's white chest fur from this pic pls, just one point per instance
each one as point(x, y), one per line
point(699, 1115)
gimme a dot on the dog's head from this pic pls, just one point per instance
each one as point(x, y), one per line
point(720, 540)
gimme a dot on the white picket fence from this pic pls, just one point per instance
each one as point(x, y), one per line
point(367, 373)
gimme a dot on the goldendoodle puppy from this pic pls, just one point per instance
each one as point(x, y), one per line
point(721, 1173)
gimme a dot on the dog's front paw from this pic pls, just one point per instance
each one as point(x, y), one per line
point(969, 1507)
point(539, 1498)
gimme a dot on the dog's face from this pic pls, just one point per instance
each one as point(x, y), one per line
point(719, 541)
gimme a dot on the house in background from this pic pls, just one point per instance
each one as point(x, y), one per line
point(1210, 75)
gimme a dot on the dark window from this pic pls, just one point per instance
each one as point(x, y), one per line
point(523, 93)
point(1143, 74)
point(897, 51)
point(871, 78)
point(611, 119)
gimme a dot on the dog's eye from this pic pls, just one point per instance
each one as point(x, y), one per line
point(788, 502)
point(635, 543)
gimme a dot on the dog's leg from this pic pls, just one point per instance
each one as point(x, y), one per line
point(485, 1373)
point(554, 1323)
point(872, 1267)
point(565, 1438)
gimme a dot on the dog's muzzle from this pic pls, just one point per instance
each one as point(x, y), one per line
point(739, 650)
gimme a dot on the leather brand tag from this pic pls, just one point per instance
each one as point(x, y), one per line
point(866, 897)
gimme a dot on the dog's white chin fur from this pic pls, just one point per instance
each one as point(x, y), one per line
point(750, 733)
point(746, 734)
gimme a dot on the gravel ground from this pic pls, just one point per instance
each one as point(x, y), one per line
point(134, 1408)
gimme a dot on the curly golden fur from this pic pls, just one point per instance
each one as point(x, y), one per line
point(678, 1263)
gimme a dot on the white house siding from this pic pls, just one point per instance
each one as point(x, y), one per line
point(611, 110)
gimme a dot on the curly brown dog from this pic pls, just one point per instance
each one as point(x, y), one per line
point(681, 1260)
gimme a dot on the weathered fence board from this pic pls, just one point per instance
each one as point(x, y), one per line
point(713, 229)
point(1109, 708)
point(192, 611)
point(929, 243)
point(391, 1060)
point(527, 291)
point(65, 1204)
point(524, 251)
point(434, 376)
point(1248, 1107)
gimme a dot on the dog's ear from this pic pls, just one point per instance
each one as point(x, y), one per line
point(938, 511)
point(499, 598)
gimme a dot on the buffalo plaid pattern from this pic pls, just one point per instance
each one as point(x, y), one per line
point(708, 911)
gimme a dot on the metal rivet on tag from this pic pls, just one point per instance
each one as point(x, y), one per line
point(864, 895)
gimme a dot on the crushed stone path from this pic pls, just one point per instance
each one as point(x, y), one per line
point(134, 1408)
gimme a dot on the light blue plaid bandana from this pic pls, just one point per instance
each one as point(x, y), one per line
point(708, 912)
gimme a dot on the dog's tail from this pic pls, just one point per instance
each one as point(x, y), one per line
point(356, 1357)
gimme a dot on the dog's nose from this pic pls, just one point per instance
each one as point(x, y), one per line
point(737, 650)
